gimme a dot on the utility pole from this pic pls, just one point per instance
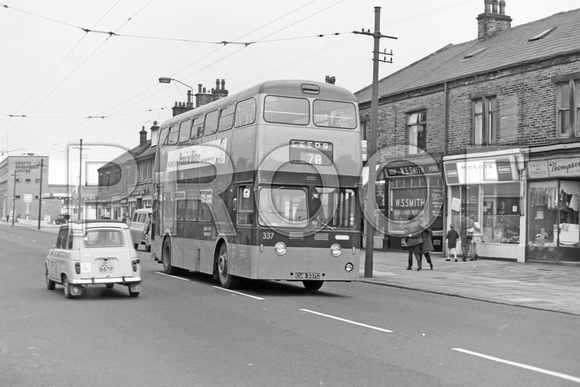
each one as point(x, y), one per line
point(79, 191)
point(40, 193)
point(372, 141)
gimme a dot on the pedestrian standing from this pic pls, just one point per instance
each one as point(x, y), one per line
point(413, 231)
point(467, 228)
point(452, 237)
point(427, 246)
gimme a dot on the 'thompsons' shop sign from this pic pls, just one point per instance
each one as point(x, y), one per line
point(481, 171)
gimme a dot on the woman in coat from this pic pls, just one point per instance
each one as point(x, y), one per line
point(427, 247)
point(413, 231)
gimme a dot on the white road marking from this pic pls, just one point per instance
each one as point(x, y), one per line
point(241, 294)
point(172, 276)
point(347, 321)
point(513, 363)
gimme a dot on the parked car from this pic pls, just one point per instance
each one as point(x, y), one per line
point(140, 225)
point(93, 252)
point(62, 219)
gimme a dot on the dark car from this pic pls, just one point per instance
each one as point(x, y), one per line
point(62, 219)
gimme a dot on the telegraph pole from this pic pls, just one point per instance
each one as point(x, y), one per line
point(40, 193)
point(372, 141)
point(80, 176)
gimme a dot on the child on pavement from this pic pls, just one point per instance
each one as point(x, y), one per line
point(452, 237)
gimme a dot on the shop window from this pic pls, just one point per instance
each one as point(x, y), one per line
point(417, 132)
point(568, 107)
point(484, 120)
point(501, 213)
point(554, 213)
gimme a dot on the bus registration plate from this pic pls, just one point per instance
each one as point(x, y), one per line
point(307, 275)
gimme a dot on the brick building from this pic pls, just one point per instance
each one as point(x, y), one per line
point(487, 128)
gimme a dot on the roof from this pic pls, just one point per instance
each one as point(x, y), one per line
point(558, 35)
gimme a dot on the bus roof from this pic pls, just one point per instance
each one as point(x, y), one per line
point(279, 87)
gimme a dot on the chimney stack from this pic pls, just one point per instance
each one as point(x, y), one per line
point(142, 136)
point(493, 19)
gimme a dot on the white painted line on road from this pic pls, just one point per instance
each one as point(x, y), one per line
point(172, 276)
point(347, 321)
point(513, 363)
point(241, 294)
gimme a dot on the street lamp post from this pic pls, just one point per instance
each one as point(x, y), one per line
point(189, 92)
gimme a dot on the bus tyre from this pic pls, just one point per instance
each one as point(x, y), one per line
point(166, 256)
point(312, 285)
point(227, 280)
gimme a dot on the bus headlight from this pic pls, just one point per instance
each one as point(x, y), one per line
point(348, 267)
point(280, 248)
point(335, 250)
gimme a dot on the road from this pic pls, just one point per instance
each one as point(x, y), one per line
point(187, 330)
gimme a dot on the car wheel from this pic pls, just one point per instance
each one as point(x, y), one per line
point(66, 286)
point(166, 257)
point(110, 286)
point(49, 282)
point(227, 280)
point(136, 246)
point(312, 285)
point(133, 294)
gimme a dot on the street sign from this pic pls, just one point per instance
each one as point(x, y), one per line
point(27, 198)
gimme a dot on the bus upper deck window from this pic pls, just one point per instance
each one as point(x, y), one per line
point(211, 123)
point(226, 118)
point(197, 127)
point(163, 136)
point(184, 131)
point(286, 110)
point(173, 135)
point(334, 114)
point(245, 112)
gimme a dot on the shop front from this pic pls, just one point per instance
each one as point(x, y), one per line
point(553, 192)
point(410, 187)
point(487, 188)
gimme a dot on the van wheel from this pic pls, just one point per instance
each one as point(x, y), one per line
point(49, 282)
point(66, 286)
point(227, 280)
point(312, 285)
point(166, 256)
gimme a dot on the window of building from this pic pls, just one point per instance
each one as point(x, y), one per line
point(485, 120)
point(568, 107)
point(28, 180)
point(417, 132)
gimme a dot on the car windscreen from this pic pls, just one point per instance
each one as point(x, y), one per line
point(103, 238)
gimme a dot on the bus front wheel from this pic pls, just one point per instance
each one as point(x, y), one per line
point(166, 256)
point(227, 280)
point(312, 285)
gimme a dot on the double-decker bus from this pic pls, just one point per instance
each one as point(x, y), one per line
point(263, 184)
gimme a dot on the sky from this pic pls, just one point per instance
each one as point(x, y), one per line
point(80, 69)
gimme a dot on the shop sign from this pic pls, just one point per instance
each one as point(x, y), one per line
point(538, 169)
point(412, 170)
point(408, 201)
point(481, 171)
point(554, 168)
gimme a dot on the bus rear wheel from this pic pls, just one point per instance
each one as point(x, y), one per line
point(166, 256)
point(312, 285)
point(227, 280)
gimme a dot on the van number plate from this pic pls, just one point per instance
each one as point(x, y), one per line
point(307, 275)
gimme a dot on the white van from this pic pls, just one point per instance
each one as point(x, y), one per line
point(140, 225)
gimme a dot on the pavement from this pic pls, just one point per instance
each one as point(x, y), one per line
point(545, 286)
